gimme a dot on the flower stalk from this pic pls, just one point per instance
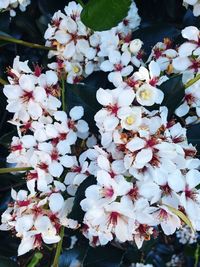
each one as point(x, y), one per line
point(63, 95)
point(59, 248)
point(192, 81)
point(3, 82)
point(8, 170)
point(24, 43)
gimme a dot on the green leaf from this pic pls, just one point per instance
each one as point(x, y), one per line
point(35, 260)
point(101, 15)
point(174, 92)
point(73, 99)
point(6, 139)
point(68, 257)
point(6, 262)
point(103, 256)
point(182, 216)
point(77, 213)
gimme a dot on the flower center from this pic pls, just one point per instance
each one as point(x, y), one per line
point(54, 155)
point(130, 120)
point(146, 94)
point(27, 96)
point(76, 69)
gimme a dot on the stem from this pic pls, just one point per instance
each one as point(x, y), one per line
point(192, 81)
point(197, 256)
point(58, 248)
point(63, 94)
point(8, 170)
point(81, 3)
point(24, 43)
point(3, 82)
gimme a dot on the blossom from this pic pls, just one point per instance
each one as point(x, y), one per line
point(37, 219)
point(117, 65)
point(11, 4)
point(195, 4)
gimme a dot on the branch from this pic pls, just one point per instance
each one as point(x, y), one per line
point(58, 248)
point(192, 81)
point(3, 82)
point(8, 170)
point(24, 43)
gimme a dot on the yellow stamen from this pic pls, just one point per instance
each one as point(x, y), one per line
point(130, 120)
point(76, 69)
point(145, 94)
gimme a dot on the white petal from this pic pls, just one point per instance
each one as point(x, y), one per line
point(154, 69)
point(104, 97)
point(176, 181)
point(143, 157)
point(67, 161)
point(186, 49)
point(193, 178)
point(56, 169)
point(56, 202)
point(42, 223)
point(106, 66)
point(135, 144)
point(76, 113)
point(26, 245)
point(190, 33)
point(181, 63)
point(103, 163)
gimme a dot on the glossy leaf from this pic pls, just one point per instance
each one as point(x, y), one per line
point(35, 260)
point(103, 14)
point(6, 262)
point(107, 256)
point(77, 212)
point(181, 215)
point(73, 256)
point(173, 90)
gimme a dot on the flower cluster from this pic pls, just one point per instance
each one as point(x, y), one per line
point(141, 151)
point(80, 51)
point(141, 265)
point(12, 4)
point(145, 171)
point(185, 60)
point(195, 4)
point(176, 261)
point(46, 137)
point(186, 236)
point(39, 218)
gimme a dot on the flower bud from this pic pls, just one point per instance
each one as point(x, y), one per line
point(135, 46)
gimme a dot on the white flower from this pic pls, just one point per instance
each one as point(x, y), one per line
point(195, 4)
point(191, 47)
point(117, 64)
point(135, 46)
point(147, 95)
point(168, 221)
point(131, 118)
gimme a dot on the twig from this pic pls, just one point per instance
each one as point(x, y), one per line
point(24, 43)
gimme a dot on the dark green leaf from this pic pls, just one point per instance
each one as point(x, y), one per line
point(35, 260)
point(103, 257)
point(6, 139)
point(174, 92)
point(68, 257)
point(154, 33)
point(77, 212)
point(5, 262)
point(193, 136)
point(103, 14)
